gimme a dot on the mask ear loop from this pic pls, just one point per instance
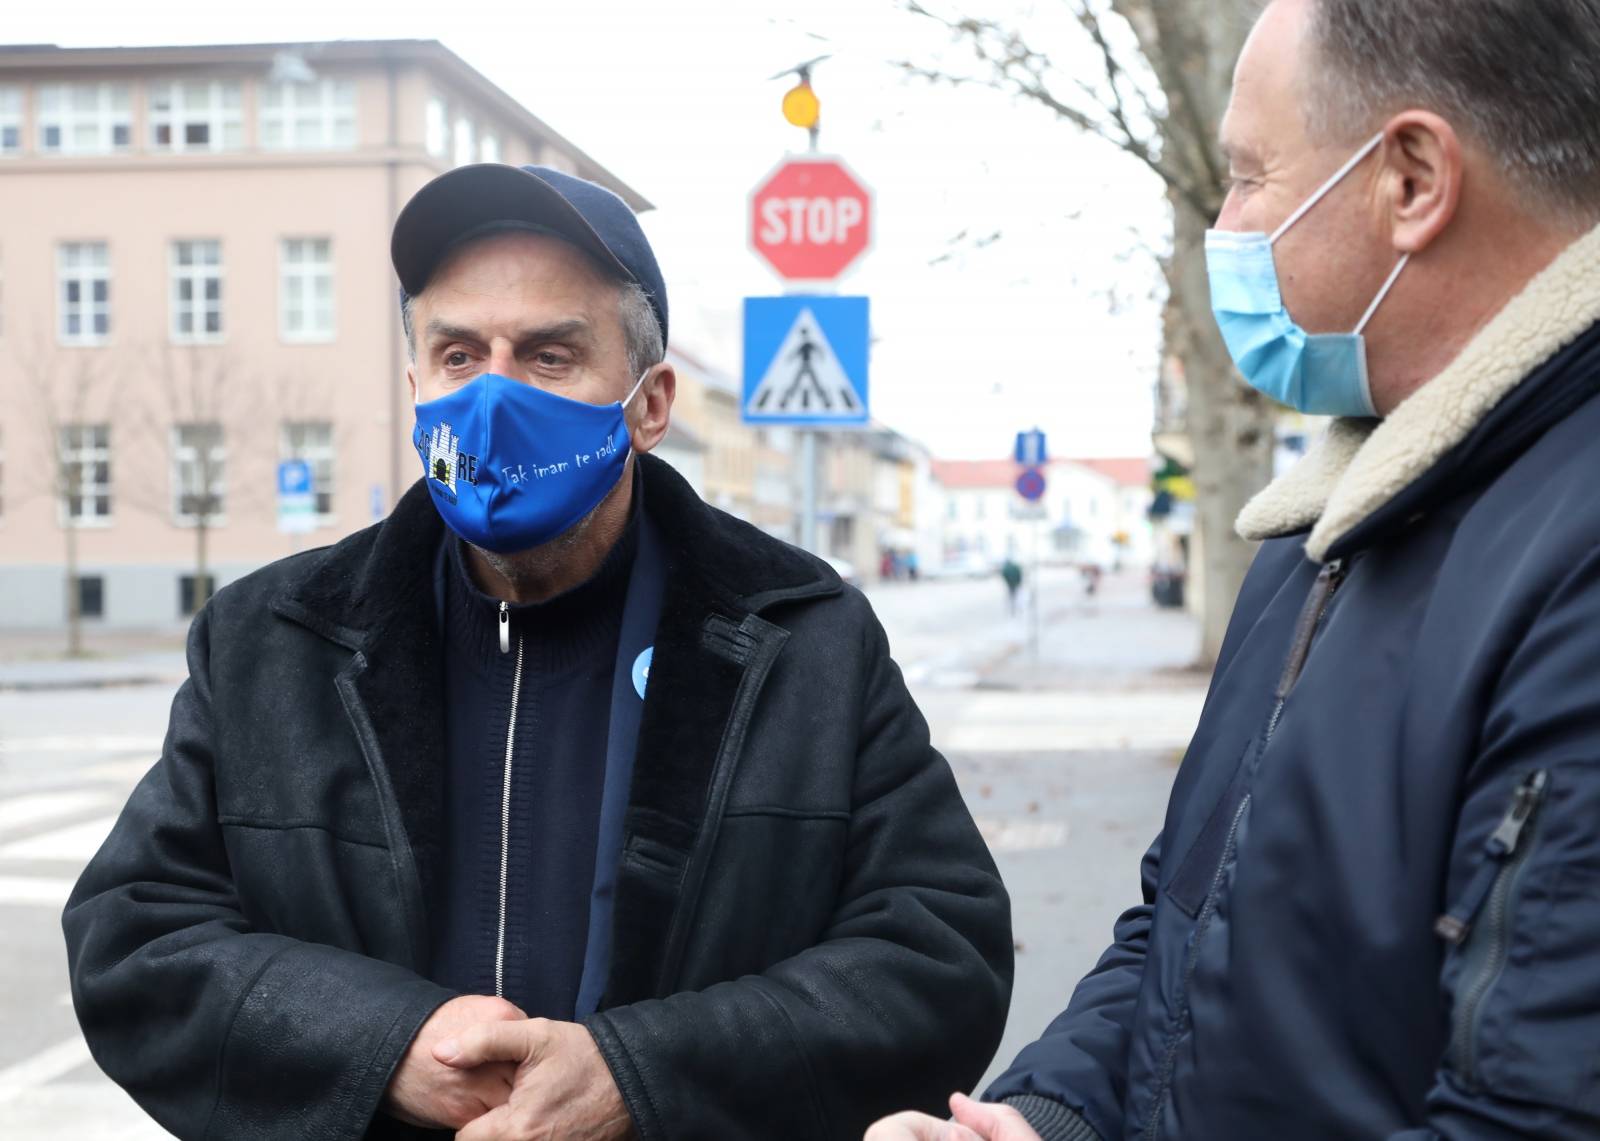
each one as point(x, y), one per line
point(1382, 293)
point(1339, 176)
point(642, 377)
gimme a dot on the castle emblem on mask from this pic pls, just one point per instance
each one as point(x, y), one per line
point(447, 464)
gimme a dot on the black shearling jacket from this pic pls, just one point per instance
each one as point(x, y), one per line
point(809, 931)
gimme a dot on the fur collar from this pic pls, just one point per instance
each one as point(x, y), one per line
point(1363, 465)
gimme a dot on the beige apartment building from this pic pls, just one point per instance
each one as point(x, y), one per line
point(195, 286)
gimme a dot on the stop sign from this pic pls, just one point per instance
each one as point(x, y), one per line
point(810, 218)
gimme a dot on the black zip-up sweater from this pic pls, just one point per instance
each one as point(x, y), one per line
point(548, 809)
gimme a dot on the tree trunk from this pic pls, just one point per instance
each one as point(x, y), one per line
point(74, 618)
point(202, 593)
point(1193, 46)
point(1230, 427)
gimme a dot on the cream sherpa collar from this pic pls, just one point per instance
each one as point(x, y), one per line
point(1363, 464)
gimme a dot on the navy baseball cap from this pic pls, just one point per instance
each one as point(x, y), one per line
point(473, 198)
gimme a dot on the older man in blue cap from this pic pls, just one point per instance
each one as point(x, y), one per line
point(558, 804)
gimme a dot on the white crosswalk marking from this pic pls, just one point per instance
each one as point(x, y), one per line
point(74, 843)
point(36, 891)
point(80, 744)
point(39, 807)
point(1011, 834)
point(42, 1067)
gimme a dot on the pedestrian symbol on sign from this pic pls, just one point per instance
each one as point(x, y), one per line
point(805, 376)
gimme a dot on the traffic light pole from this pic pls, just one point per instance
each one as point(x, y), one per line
point(808, 436)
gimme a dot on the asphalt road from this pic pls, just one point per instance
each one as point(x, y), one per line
point(1064, 755)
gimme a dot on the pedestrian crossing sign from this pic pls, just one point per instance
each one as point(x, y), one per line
point(805, 360)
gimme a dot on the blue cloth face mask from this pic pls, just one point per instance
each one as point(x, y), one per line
point(1323, 374)
point(511, 466)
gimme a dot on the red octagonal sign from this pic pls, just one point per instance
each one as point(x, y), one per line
point(811, 218)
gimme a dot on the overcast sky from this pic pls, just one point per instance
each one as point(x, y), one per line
point(1012, 279)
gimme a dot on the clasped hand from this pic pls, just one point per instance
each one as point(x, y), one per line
point(481, 1067)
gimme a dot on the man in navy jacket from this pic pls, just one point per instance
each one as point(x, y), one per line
point(1374, 908)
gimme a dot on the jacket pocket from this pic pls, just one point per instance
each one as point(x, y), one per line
point(1479, 923)
point(1192, 882)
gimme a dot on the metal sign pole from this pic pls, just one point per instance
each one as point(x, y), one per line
point(1033, 601)
point(808, 489)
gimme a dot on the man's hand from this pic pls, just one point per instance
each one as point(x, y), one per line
point(975, 1121)
point(563, 1087)
point(912, 1126)
point(424, 1092)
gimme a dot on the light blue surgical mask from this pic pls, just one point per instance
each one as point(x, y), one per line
point(1323, 374)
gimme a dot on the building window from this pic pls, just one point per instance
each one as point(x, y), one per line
point(438, 129)
point(91, 596)
point(320, 115)
point(489, 149)
point(196, 292)
point(10, 120)
point(464, 145)
point(200, 471)
point(83, 271)
point(312, 441)
point(305, 289)
point(189, 599)
point(84, 118)
point(86, 472)
point(202, 116)
point(557, 160)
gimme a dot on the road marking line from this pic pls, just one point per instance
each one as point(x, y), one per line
point(81, 744)
point(44, 1066)
point(37, 890)
point(39, 807)
point(76, 842)
point(1013, 835)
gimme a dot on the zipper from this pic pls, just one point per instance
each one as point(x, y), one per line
point(1491, 890)
point(1455, 925)
point(1202, 923)
point(505, 801)
point(1329, 579)
point(1311, 615)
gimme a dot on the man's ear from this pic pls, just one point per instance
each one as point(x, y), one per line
point(411, 381)
point(1423, 176)
point(655, 408)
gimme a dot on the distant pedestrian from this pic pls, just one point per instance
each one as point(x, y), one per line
point(1011, 573)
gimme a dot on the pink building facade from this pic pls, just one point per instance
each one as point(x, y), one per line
point(195, 286)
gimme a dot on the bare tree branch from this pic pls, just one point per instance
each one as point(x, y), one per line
point(1019, 70)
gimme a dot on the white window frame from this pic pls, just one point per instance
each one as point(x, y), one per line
point(315, 116)
point(298, 277)
point(465, 150)
point(59, 108)
point(489, 147)
point(220, 111)
point(10, 120)
point(185, 471)
point(295, 443)
point(437, 128)
point(86, 455)
point(75, 267)
point(186, 267)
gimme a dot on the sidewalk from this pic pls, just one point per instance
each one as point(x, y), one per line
point(36, 660)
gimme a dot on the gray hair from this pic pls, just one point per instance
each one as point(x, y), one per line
point(641, 332)
point(1520, 78)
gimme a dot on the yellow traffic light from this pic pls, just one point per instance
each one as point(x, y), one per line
point(801, 106)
